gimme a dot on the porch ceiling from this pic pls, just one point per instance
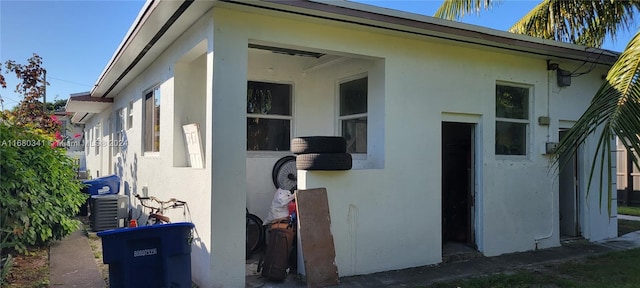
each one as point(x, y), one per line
point(87, 104)
point(83, 106)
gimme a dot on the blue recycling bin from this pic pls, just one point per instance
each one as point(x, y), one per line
point(149, 256)
point(102, 185)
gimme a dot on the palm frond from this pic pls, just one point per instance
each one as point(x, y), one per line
point(456, 9)
point(578, 21)
point(613, 111)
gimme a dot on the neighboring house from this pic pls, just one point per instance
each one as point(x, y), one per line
point(627, 178)
point(451, 127)
point(72, 138)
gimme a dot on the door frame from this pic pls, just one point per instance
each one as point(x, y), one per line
point(476, 178)
point(577, 191)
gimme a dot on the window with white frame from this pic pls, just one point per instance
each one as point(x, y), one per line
point(269, 116)
point(89, 137)
point(353, 114)
point(151, 129)
point(512, 119)
point(130, 115)
point(118, 130)
point(96, 138)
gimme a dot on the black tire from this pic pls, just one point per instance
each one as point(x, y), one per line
point(284, 173)
point(318, 144)
point(255, 234)
point(324, 161)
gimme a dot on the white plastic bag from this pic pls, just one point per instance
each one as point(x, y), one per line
point(279, 207)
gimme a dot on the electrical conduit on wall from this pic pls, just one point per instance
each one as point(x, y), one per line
point(538, 239)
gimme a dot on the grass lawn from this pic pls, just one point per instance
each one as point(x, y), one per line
point(626, 226)
point(635, 211)
point(617, 269)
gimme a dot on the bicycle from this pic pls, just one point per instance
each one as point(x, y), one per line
point(156, 216)
point(255, 234)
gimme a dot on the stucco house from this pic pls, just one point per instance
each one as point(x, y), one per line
point(451, 128)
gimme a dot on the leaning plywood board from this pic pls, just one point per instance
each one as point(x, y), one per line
point(316, 238)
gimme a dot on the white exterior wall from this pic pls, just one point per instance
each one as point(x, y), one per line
point(425, 83)
point(596, 223)
point(386, 214)
point(163, 174)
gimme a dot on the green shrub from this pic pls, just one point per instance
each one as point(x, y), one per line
point(6, 260)
point(38, 189)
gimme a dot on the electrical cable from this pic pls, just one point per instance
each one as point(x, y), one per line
point(591, 67)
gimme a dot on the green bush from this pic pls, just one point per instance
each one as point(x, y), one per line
point(6, 260)
point(38, 189)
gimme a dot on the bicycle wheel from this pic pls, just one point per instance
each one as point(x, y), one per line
point(285, 174)
point(255, 234)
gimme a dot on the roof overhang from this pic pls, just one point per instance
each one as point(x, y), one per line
point(395, 21)
point(158, 24)
point(83, 106)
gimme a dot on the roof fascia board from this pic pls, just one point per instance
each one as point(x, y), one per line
point(88, 98)
point(80, 117)
point(375, 17)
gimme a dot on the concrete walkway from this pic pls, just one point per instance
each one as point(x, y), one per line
point(71, 263)
point(628, 217)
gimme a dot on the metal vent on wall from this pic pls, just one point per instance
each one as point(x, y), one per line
point(108, 212)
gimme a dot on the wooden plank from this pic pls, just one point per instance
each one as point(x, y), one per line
point(315, 236)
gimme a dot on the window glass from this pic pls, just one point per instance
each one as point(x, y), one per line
point(269, 116)
point(353, 97)
point(511, 138)
point(512, 102)
point(354, 132)
point(152, 121)
point(268, 134)
point(353, 114)
point(118, 128)
point(96, 138)
point(268, 98)
point(512, 120)
point(130, 115)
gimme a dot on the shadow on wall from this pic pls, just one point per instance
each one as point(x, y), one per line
point(130, 187)
point(199, 254)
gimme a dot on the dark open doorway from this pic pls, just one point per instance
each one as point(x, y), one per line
point(568, 194)
point(457, 183)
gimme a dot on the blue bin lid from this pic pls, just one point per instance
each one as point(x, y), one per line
point(108, 178)
point(145, 228)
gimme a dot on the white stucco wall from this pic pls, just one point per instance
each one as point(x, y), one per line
point(425, 79)
point(386, 213)
point(163, 174)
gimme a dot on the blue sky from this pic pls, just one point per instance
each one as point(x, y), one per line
point(76, 39)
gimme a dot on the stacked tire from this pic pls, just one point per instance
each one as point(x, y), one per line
point(324, 153)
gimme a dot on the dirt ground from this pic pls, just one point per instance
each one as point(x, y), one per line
point(30, 270)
